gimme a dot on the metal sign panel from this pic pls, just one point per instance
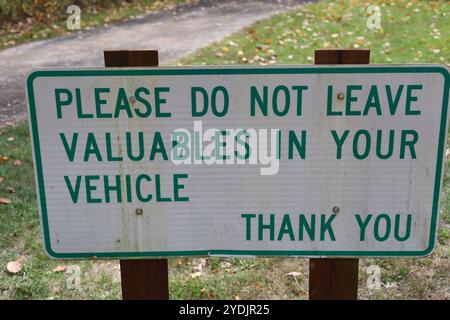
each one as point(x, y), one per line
point(291, 160)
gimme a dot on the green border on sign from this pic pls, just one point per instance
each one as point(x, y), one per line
point(229, 71)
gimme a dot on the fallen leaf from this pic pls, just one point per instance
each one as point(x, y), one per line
point(2, 179)
point(17, 163)
point(60, 269)
point(10, 139)
point(14, 266)
point(251, 31)
point(294, 274)
point(180, 262)
point(232, 271)
point(3, 159)
point(359, 40)
point(5, 201)
point(195, 275)
point(10, 190)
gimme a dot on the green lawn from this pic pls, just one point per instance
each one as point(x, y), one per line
point(413, 32)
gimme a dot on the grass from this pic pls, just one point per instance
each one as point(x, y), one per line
point(413, 31)
point(92, 16)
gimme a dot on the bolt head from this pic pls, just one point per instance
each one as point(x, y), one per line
point(139, 211)
point(340, 96)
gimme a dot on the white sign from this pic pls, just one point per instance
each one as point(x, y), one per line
point(293, 160)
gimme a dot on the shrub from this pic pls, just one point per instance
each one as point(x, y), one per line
point(44, 10)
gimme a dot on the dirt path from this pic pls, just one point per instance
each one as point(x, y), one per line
point(174, 33)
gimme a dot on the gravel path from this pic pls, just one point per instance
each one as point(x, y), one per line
point(174, 33)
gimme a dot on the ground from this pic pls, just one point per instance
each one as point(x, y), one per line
point(412, 31)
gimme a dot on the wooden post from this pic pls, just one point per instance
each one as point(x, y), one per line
point(141, 279)
point(335, 278)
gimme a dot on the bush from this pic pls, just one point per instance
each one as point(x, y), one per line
point(44, 10)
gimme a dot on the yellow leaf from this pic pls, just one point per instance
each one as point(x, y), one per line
point(14, 266)
point(10, 190)
point(5, 201)
point(60, 269)
point(359, 40)
point(195, 275)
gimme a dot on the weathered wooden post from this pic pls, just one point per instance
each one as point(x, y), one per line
point(335, 279)
point(149, 278)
